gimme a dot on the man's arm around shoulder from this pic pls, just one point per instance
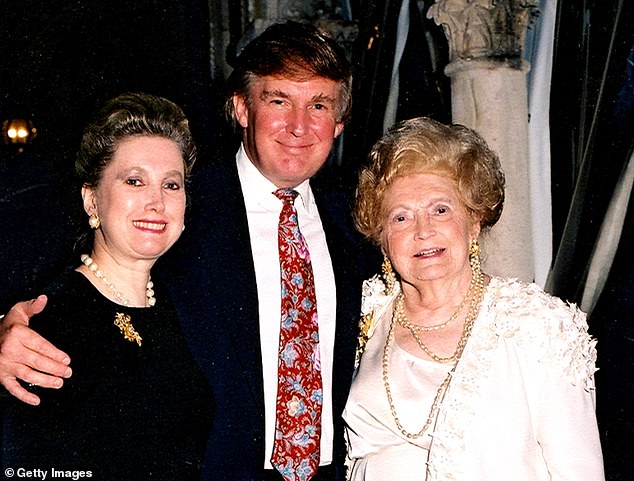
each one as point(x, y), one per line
point(27, 356)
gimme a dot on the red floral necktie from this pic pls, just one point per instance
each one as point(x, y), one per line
point(299, 389)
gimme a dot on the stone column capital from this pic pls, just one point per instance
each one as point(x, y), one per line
point(479, 29)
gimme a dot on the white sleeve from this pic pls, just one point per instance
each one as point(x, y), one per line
point(567, 426)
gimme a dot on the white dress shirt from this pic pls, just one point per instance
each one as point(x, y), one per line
point(263, 211)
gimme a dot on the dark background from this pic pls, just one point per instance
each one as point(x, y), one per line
point(60, 60)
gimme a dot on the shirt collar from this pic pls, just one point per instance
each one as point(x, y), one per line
point(261, 189)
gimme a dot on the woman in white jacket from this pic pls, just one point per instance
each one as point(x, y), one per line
point(461, 376)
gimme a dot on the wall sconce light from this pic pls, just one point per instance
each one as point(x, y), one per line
point(18, 132)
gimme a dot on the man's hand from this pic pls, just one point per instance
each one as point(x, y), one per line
point(26, 355)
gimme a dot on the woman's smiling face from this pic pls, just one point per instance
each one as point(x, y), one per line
point(140, 199)
point(427, 228)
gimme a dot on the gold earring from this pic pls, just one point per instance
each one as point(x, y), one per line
point(474, 258)
point(388, 274)
point(94, 222)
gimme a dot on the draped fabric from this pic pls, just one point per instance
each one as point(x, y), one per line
point(591, 130)
point(612, 318)
point(592, 145)
point(539, 50)
point(612, 322)
point(418, 86)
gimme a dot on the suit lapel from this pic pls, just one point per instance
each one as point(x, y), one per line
point(220, 308)
point(353, 260)
point(344, 248)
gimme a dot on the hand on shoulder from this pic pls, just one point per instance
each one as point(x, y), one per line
point(27, 356)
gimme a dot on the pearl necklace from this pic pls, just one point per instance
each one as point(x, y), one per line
point(474, 308)
point(474, 293)
point(415, 327)
point(94, 268)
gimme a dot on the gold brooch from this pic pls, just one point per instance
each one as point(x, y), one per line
point(123, 322)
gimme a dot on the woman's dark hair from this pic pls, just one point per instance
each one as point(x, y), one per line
point(129, 115)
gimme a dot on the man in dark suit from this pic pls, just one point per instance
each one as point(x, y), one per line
point(289, 95)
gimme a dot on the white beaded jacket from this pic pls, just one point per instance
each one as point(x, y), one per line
point(521, 403)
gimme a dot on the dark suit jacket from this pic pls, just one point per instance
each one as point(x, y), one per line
point(211, 277)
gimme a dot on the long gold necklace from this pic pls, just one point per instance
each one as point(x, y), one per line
point(474, 308)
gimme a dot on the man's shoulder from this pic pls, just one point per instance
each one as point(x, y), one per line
point(334, 195)
point(213, 173)
point(335, 179)
point(215, 192)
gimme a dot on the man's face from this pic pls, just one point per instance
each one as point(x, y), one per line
point(289, 126)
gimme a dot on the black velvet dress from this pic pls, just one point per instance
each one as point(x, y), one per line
point(128, 412)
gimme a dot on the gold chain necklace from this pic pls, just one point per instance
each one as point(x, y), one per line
point(415, 327)
point(474, 308)
point(474, 293)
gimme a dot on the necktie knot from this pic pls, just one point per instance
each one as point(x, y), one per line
point(286, 195)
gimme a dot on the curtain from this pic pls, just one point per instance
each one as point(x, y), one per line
point(611, 278)
point(590, 139)
point(539, 53)
point(399, 55)
point(592, 135)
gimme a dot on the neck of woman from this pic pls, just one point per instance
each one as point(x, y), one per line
point(122, 282)
point(426, 302)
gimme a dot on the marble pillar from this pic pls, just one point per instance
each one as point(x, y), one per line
point(489, 94)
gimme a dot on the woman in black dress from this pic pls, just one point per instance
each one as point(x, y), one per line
point(137, 406)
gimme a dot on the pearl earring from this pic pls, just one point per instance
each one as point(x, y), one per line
point(94, 221)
